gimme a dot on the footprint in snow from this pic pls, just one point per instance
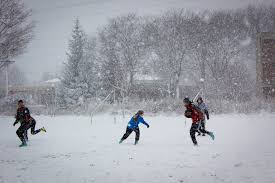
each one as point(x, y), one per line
point(215, 156)
point(238, 165)
point(23, 169)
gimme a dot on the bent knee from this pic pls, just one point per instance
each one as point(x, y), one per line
point(18, 132)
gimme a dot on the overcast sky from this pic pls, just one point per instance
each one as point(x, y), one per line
point(54, 20)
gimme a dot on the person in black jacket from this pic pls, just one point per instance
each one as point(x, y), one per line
point(26, 122)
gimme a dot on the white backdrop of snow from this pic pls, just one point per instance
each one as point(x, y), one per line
point(74, 151)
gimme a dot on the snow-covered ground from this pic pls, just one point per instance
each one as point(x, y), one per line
point(74, 151)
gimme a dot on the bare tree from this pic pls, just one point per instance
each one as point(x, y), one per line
point(170, 43)
point(16, 28)
point(122, 50)
point(17, 77)
point(220, 46)
point(260, 18)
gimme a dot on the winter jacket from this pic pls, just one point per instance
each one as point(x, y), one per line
point(204, 109)
point(196, 113)
point(132, 124)
point(22, 115)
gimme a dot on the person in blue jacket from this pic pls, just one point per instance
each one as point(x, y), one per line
point(133, 126)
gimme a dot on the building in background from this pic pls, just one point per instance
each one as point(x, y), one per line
point(38, 97)
point(266, 65)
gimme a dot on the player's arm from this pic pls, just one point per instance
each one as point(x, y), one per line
point(16, 119)
point(144, 122)
point(206, 113)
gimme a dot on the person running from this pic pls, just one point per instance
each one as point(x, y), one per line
point(204, 109)
point(26, 122)
point(18, 119)
point(193, 112)
point(133, 126)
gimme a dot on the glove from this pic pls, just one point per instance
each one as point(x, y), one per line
point(148, 126)
point(14, 123)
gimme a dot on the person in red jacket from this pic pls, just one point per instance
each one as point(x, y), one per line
point(194, 112)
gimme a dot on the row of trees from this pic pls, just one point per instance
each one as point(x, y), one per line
point(210, 48)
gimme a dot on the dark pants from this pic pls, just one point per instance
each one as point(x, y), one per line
point(26, 135)
point(32, 127)
point(201, 127)
point(25, 132)
point(194, 129)
point(22, 130)
point(129, 131)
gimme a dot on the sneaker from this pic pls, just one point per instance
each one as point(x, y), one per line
point(203, 134)
point(136, 142)
point(43, 129)
point(24, 144)
point(211, 134)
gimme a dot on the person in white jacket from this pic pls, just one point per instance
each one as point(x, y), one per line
point(204, 109)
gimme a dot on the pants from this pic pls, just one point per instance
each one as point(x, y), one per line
point(22, 130)
point(32, 127)
point(26, 135)
point(129, 131)
point(201, 127)
point(194, 129)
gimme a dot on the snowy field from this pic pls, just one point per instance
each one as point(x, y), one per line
point(74, 151)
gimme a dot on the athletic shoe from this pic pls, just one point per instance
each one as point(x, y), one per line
point(211, 134)
point(43, 129)
point(24, 144)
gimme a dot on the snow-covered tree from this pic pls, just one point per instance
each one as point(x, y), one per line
point(81, 77)
point(16, 28)
point(73, 88)
point(218, 49)
point(122, 51)
point(170, 43)
point(90, 70)
point(16, 76)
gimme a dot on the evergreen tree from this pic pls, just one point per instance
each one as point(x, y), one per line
point(90, 71)
point(72, 85)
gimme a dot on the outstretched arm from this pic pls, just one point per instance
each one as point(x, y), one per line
point(206, 113)
point(16, 121)
point(143, 122)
